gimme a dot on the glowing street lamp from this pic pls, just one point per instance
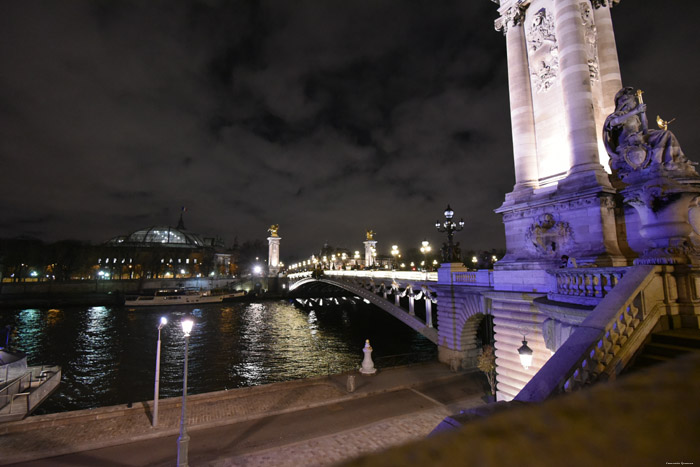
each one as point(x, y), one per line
point(525, 354)
point(163, 322)
point(184, 439)
point(425, 249)
point(395, 254)
point(450, 254)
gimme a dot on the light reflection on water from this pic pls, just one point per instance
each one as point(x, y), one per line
point(108, 354)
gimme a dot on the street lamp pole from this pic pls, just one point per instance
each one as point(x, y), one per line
point(163, 322)
point(184, 439)
point(395, 254)
point(450, 252)
point(425, 249)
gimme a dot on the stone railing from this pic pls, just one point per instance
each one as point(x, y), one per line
point(607, 339)
point(398, 275)
point(482, 277)
point(299, 275)
point(584, 286)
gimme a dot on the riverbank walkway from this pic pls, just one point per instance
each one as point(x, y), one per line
point(308, 422)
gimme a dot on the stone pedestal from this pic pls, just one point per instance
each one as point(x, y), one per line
point(446, 270)
point(543, 227)
point(663, 203)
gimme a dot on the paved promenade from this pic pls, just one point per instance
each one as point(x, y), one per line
point(394, 406)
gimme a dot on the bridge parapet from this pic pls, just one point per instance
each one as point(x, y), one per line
point(481, 278)
point(379, 274)
point(609, 337)
point(584, 286)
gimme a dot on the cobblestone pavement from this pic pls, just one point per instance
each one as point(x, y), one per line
point(338, 447)
point(56, 434)
point(85, 429)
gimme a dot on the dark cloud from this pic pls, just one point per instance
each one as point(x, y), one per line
point(326, 117)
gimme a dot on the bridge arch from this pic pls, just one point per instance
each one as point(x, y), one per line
point(410, 320)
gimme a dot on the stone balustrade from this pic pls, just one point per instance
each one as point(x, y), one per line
point(379, 274)
point(584, 286)
point(482, 277)
point(608, 338)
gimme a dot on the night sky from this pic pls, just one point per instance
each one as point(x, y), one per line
point(327, 117)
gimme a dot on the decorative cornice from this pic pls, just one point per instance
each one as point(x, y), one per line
point(604, 3)
point(605, 202)
point(512, 17)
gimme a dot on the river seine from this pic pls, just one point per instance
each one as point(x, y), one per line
point(108, 354)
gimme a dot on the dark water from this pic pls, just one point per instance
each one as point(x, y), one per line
point(108, 354)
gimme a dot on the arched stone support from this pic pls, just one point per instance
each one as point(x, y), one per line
point(460, 310)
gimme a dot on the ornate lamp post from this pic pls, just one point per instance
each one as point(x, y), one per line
point(450, 253)
point(163, 322)
point(395, 254)
point(425, 249)
point(184, 439)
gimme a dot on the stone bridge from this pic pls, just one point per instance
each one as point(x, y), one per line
point(582, 324)
point(457, 302)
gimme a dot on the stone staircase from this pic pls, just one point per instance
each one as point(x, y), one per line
point(666, 345)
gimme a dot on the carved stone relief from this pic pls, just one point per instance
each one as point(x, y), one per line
point(548, 236)
point(590, 35)
point(543, 50)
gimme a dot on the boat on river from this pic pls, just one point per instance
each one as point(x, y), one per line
point(182, 296)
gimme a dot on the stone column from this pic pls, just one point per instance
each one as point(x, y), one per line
point(273, 256)
point(578, 94)
point(610, 77)
point(521, 111)
point(370, 246)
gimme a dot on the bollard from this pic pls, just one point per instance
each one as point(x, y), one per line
point(351, 383)
point(367, 363)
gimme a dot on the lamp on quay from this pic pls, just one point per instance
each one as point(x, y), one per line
point(184, 439)
point(450, 253)
point(163, 322)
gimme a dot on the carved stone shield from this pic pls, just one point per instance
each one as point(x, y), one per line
point(637, 157)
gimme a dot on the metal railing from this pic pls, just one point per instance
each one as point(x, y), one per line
point(22, 386)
